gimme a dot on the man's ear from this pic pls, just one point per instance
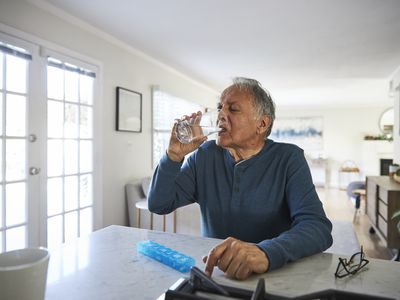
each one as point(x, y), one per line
point(263, 124)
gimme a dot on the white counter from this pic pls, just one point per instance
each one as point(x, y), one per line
point(106, 265)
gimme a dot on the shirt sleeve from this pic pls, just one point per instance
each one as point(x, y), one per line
point(172, 185)
point(310, 231)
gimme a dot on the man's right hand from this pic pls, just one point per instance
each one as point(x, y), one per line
point(176, 150)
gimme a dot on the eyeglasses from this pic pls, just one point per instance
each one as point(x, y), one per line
point(350, 267)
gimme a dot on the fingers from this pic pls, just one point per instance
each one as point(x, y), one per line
point(197, 117)
point(194, 118)
point(237, 259)
point(198, 140)
point(243, 272)
point(213, 257)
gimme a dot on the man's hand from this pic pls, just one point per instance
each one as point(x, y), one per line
point(176, 150)
point(237, 259)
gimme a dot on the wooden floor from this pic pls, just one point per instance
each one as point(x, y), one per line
point(339, 207)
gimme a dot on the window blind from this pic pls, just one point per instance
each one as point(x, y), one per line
point(167, 108)
point(68, 67)
point(16, 51)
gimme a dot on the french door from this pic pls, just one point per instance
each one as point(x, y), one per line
point(46, 145)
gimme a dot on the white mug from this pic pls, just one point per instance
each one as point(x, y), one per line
point(23, 274)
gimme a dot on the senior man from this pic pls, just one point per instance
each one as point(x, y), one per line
point(254, 193)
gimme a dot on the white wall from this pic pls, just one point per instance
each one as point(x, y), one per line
point(343, 136)
point(396, 98)
point(126, 156)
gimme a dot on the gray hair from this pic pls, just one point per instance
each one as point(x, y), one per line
point(263, 102)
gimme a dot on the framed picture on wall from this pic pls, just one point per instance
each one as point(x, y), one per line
point(129, 110)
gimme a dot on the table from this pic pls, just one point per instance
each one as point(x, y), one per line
point(105, 265)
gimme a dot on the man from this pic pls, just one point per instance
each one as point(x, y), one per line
point(255, 193)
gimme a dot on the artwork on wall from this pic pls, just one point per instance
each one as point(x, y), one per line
point(129, 110)
point(305, 132)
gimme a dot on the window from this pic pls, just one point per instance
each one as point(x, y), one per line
point(167, 108)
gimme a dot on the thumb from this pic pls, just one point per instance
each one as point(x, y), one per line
point(199, 140)
point(204, 258)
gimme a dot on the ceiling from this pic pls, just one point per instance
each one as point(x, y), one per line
point(305, 52)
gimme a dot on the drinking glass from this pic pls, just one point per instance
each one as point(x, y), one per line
point(205, 124)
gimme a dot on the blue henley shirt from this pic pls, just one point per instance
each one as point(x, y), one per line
point(268, 199)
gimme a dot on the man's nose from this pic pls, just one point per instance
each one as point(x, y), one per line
point(221, 115)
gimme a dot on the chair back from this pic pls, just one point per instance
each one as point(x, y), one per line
point(354, 185)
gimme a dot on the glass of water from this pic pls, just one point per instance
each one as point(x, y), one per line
point(205, 124)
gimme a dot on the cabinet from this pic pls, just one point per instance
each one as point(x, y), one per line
point(383, 199)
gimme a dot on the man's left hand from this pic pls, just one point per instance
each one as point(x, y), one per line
point(236, 258)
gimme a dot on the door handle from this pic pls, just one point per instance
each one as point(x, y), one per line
point(34, 171)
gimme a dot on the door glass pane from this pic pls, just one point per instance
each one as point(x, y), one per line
point(86, 89)
point(54, 196)
point(54, 231)
point(55, 119)
point(1, 208)
point(15, 159)
point(71, 192)
point(85, 157)
point(1, 160)
point(71, 86)
point(71, 121)
point(71, 226)
point(1, 76)
point(85, 190)
point(16, 238)
point(15, 115)
point(15, 204)
point(16, 73)
point(86, 121)
point(1, 112)
point(86, 221)
point(54, 157)
point(70, 157)
point(55, 83)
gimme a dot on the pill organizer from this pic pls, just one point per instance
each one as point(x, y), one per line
point(172, 258)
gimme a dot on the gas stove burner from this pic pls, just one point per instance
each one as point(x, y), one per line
point(201, 287)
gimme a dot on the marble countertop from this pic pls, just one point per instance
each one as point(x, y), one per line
point(106, 265)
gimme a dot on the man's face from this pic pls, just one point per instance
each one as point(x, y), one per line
point(237, 118)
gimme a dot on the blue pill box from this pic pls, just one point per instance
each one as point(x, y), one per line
point(167, 256)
